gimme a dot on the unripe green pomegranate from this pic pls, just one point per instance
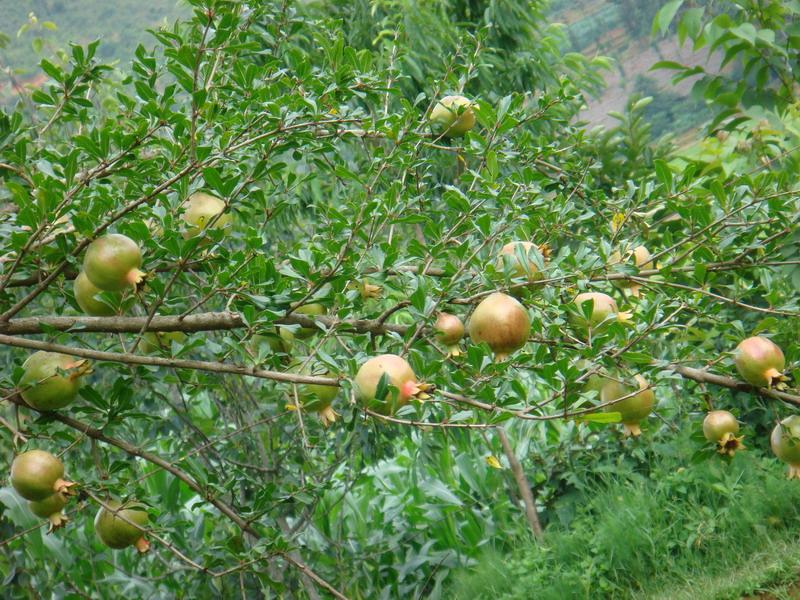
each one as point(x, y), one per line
point(37, 475)
point(86, 296)
point(509, 254)
point(633, 409)
point(452, 116)
point(400, 375)
point(51, 380)
point(785, 442)
point(117, 533)
point(640, 256)
point(502, 322)
point(720, 427)
point(112, 263)
point(276, 341)
point(603, 308)
point(51, 509)
point(199, 209)
point(319, 399)
point(595, 383)
point(153, 341)
point(311, 310)
point(760, 361)
point(449, 330)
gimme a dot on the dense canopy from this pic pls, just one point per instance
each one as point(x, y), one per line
point(258, 203)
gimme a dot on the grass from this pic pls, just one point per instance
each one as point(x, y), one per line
point(712, 530)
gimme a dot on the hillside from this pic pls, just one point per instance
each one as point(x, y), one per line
point(120, 24)
point(619, 29)
point(622, 30)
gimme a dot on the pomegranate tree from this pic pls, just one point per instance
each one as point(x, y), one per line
point(449, 330)
point(86, 296)
point(51, 508)
point(399, 375)
point(502, 322)
point(112, 263)
point(453, 116)
point(720, 427)
point(37, 475)
point(121, 525)
point(760, 361)
point(200, 209)
point(604, 307)
point(635, 406)
point(51, 380)
point(785, 442)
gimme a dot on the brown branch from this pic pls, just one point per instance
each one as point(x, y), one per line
point(212, 321)
point(523, 485)
point(172, 363)
point(701, 376)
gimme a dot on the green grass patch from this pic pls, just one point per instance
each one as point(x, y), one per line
point(717, 529)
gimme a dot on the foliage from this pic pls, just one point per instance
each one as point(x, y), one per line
point(309, 121)
point(639, 533)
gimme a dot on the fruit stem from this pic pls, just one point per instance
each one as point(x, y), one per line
point(142, 545)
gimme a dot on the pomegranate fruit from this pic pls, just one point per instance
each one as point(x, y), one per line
point(275, 341)
point(37, 475)
point(51, 509)
point(319, 399)
point(632, 409)
point(153, 341)
point(116, 532)
point(86, 297)
point(603, 308)
point(399, 375)
point(310, 310)
point(517, 255)
point(200, 209)
point(51, 380)
point(760, 361)
point(112, 263)
point(640, 256)
point(453, 116)
point(720, 427)
point(785, 442)
point(502, 322)
point(449, 330)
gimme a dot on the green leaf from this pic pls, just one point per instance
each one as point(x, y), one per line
point(601, 417)
point(665, 15)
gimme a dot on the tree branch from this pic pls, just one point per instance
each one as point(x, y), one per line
point(523, 485)
point(173, 363)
